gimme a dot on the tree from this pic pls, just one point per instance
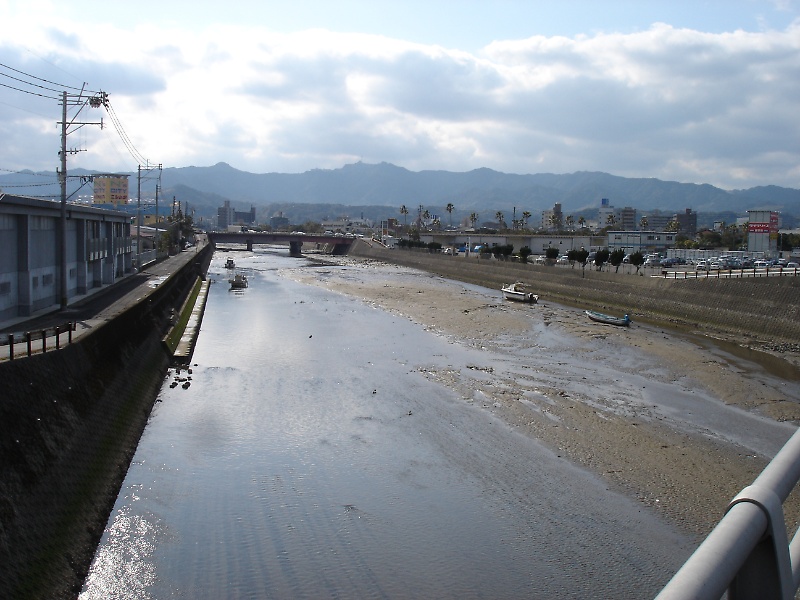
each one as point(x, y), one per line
point(524, 253)
point(499, 216)
point(473, 218)
point(426, 215)
point(672, 226)
point(637, 260)
point(404, 212)
point(450, 208)
point(600, 258)
point(551, 253)
point(581, 222)
point(643, 222)
point(570, 222)
point(525, 216)
point(579, 256)
point(616, 258)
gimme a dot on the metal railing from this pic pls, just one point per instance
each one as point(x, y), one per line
point(36, 341)
point(748, 553)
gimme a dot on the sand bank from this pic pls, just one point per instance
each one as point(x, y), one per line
point(678, 426)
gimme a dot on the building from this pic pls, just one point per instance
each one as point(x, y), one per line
point(35, 275)
point(627, 219)
point(762, 232)
point(606, 214)
point(227, 215)
point(687, 222)
point(110, 188)
point(640, 241)
point(553, 219)
point(657, 221)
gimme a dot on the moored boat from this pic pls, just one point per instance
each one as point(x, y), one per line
point(229, 264)
point(516, 291)
point(238, 281)
point(608, 319)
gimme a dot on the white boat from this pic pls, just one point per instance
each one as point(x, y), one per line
point(238, 282)
point(516, 291)
point(608, 319)
point(229, 264)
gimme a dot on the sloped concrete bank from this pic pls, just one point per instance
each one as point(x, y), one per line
point(755, 311)
point(70, 422)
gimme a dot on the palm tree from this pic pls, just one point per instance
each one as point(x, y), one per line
point(450, 208)
point(473, 218)
point(404, 212)
point(581, 221)
point(499, 216)
point(570, 221)
point(525, 216)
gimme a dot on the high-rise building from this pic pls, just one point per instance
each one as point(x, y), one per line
point(687, 222)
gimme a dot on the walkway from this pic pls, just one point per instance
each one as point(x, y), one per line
point(93, 310)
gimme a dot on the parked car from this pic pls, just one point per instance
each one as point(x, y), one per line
point(562, 260)
point(701, 265)
point(761, 264)
point(793, 265)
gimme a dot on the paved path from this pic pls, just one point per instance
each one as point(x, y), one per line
point(90, 311)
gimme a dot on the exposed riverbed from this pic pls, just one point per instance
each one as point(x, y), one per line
point(362, 430)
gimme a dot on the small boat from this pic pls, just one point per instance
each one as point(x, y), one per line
point(516, 291)
point(608, 319)
point(229, 264)
point(238, 282)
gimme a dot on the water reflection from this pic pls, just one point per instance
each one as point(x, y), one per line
point(310, 458)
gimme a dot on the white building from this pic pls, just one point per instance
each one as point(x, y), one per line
point(34, 272)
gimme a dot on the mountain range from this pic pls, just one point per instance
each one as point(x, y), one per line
point(377, 191)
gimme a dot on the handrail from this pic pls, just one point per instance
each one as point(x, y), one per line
point(748, 552)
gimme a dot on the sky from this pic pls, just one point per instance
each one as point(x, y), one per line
point(688, 90)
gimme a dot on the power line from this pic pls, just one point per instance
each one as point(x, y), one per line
point(61, 86)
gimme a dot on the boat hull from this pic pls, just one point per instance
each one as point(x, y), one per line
point(608, 319)
point(515, 293)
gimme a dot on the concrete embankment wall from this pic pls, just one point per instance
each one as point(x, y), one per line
point(70, 421)
point(763, 308)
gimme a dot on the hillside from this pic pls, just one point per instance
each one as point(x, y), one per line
point(369, 189)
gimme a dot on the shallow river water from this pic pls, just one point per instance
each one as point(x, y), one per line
point(309, 457)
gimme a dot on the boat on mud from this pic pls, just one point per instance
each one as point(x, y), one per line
point(608, 319)
point(518, 292)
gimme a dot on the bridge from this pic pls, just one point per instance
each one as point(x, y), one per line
point(338, 244)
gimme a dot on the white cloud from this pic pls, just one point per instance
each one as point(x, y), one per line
point(662, 102)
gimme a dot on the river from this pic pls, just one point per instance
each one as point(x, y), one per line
point(306, 455)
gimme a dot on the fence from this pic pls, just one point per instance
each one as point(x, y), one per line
point(748, 552)
point(40, 340)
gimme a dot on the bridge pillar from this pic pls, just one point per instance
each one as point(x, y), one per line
point(249, 245)
point(295, 249)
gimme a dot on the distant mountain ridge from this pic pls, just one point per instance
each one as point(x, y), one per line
point(483, 190)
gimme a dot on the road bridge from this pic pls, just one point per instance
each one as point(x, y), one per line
point(338, 244)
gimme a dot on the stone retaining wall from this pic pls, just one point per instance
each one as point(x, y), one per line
point(70, 421)
point(761, 309)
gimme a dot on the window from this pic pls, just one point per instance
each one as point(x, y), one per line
point(5, 288)
point(47, 279)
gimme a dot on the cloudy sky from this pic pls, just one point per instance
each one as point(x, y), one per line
point(687, 90)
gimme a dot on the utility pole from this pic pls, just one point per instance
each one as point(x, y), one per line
point(96, 101)
point(148, 168)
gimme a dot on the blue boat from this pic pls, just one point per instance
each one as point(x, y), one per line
point(608, 319)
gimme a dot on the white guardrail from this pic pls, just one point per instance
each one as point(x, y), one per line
point(748, 553)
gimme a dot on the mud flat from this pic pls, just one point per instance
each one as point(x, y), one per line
point(677, 424)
